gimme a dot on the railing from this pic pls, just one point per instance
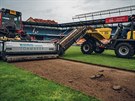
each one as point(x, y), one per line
point(109, 12)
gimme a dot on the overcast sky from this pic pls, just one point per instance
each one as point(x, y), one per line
point(61, 10)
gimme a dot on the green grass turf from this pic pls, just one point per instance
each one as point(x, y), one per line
point(20, 85)
point(107, 58)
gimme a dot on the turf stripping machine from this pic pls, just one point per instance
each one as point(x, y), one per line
point(16, 45)
point(20, 50)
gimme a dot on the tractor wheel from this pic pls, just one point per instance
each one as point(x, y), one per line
point(124, 50)
point(99, 50)
point(87, 47)
point(11, 35)
point(26, 37)
point(1, 35)
point(4, 57)
point(3, 32)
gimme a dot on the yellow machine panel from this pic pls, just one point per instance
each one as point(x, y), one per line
point(105, 32)
point(12, 12)
point(129, 35)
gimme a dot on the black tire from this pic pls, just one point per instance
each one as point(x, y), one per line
point(124, 50)
point(1, 35)
point(4, 32)
point(4, 57)
point(87, 47)
point(11, 35)
point(99, 50)
point(26, 37)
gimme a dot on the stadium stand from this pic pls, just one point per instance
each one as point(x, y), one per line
point(45, 33)
point(39, 33)
point(50, 30)
point(41, 21)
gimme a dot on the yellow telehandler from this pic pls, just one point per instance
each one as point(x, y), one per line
point(97, 40)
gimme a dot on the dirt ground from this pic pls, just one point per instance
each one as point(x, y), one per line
point(79, 76)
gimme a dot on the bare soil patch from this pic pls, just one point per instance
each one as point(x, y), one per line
point(103, 83)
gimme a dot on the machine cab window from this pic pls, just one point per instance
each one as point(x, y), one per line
point(11, 18)
point(7, 18)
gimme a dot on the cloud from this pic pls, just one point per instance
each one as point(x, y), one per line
point(60, 10)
